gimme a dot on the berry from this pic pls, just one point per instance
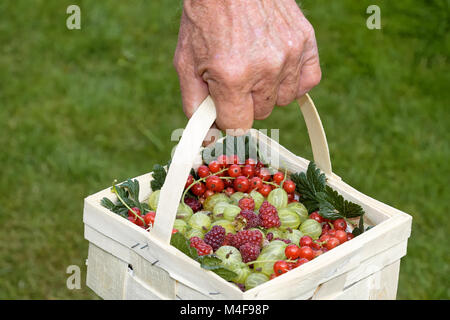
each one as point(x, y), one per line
point(249, 252)
point(132, 219)
point(208, 193)
point(284, 240)
point(300, 261)
point(291, 197)
point(316, 216)
point(255, 183)
point(140, 222)
point(149, 218)
point(229, 191)
point(174, 230)
point(247, 203)
point(326, 228)
point(340, 224)
point(251, 218)
point(241, 184)
point(341, 235)
point(272, 276)
point(332, 243)
point(247, 236)
point(317, 253)
point(264, 174)
point(229, 239)
point(234, 159)
point(289, 186)
point(214, 183)
point(306, 241)
point(136, 211)
point(292, 251)
point(203, 171)
point(269, 216)
point(193, 203)
point(332, 232)
point(214, 166)
point(315, 246)
point(278, 177)
point(248, 171)
point(306, 252)
point(201, 246)
point(222, 160)
point(189, 181)
point(280, 267)
point(251, 162)
point(265, 190)
point(234, 170)
point(350, 236)
point(269, 236)
point(324, 238)
point(215, 237)
point(198, 189)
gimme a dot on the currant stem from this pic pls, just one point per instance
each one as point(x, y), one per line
point(114, 189)
point(201, 180)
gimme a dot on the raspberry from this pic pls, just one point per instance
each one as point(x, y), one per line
point(247, 236)
point(215, 237)
point(229, 240)
point(269, 236)
point(201, 246)
point(252, 220)
point(193, 203)
point(241, 286)
point(247, 203)
point(249, 252)
point(269, 216)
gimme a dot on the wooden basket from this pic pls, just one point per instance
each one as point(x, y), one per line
point(127, 262)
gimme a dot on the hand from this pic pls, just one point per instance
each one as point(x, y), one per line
point(248, 55)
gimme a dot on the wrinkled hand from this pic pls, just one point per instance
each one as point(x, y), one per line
point(247, 54)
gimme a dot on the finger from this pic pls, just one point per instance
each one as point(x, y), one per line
point(290, 82)
point(310, 76)
point(264, 99)
point(234, 108)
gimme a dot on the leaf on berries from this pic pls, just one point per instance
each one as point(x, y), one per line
point(225, 273)
point(183, 244)
point(308, 185)
point(132, 186)
point(120, 209)
point(360, 228)
point(209, 262)
point(333, 206)
point(159, 176)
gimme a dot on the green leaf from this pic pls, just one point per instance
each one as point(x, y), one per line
point(132, 186)
point(225, 273)
point(159, 176)
point(209, 262)
point(108, 204)
point(182, 243)
point(308, 185)
point(333, 206)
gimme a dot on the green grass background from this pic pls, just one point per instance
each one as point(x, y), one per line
point(81, 108)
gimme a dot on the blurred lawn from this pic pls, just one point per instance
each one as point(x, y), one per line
point(77, 109)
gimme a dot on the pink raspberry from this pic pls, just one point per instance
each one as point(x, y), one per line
point(249, 252)
point(193, 203)
point(201, 246)
point(247, 236)
point(252, 220)
point(247, 203)
point(269, 216)
point(215, 237)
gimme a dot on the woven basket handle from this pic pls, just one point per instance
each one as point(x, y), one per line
point(188, 148)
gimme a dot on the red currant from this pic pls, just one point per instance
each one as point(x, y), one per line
point(203, 171)
point(222, 160)
point(234, 159)
point(341, 235)
point(234, 170)
point(248, 171)
point(340, 224)
point(174, 230)
point(325, 228)
point(132, 219)
point(189, 181)
point(251, 162)
point(289, 186)
point(214, 166)
point(306, 252)
point(264, 174)
point(214, 183)
point(350, 236)
point(280, 267)
point(291, 197)
point(229, 191)
point(255, 183)
point(208, 193)
point(241, 184)
point(316, 216)
point(140, 222)
point(278, 177)
point(136, 210)
point(265, 190)
point(306, 241)
point(198, 189)
point(332, 232)
point(300, 261)
point(292, 251)
point(149, 218)
point(332, 243)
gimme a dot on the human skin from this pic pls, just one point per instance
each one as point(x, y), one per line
point(249, 55)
